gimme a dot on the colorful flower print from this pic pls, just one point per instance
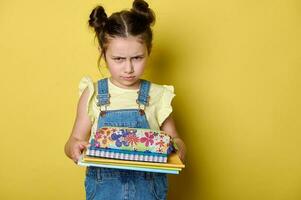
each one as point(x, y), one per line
point(94, 143)
point(131, 130)
point(132, 139)
point(119, 138)
point(149, 139)
point(161, 143)
point(102, 138)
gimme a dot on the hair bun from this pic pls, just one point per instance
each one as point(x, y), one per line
point(98, 18)
point(141, 8)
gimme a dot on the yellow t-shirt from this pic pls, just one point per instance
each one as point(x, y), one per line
point(157, 111)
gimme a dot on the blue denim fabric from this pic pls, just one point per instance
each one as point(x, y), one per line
point(123, 118)
point(116, 184)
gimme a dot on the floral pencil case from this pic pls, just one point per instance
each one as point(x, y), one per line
point(130, 144)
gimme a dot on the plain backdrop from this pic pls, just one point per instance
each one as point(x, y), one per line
point(235, 66)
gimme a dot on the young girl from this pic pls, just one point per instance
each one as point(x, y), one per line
point(124, 100)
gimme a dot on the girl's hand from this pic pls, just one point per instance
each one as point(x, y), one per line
point(75, 147)
point(181, 148)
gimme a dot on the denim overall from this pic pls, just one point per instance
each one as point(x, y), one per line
point(117, 184)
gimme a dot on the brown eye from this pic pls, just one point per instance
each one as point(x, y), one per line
point(118, 59)
point(138, 58)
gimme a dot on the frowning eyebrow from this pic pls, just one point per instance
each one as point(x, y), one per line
point(138, 55)
point(118, 57)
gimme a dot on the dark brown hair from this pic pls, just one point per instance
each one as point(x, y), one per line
point(133, 22)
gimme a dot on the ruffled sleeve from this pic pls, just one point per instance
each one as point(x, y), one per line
point(164, 107)
point(87, 82)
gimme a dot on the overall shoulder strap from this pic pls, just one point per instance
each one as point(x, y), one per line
point(143, 97)
point(103, 95)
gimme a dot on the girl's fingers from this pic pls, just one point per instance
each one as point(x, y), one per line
point(75, 157)
point(77, 151)
point(82, 147)
point(76, 148)
point(87, 145)
point(181, 155)
point(75, 160)
point(84, 144)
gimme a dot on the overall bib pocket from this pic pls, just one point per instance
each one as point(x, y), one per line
point(133, 124)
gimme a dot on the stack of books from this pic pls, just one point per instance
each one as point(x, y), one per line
point(173, 165)
point(132, 149)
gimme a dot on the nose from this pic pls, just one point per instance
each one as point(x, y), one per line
point(129, 68)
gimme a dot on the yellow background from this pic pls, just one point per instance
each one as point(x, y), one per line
point(235, 66)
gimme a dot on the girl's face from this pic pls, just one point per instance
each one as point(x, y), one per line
point(126, 59)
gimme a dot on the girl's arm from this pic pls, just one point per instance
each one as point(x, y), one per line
point(79, 137)
point(169, 127)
